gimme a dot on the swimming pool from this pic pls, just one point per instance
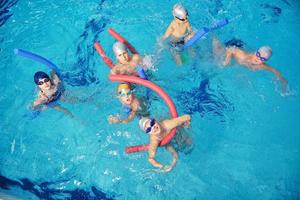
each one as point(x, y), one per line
point(245, 134)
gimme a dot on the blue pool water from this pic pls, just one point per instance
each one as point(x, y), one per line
point(246, 138)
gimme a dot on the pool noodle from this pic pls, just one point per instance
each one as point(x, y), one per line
point(161, 93)
point(37, 58)
point(200, 33)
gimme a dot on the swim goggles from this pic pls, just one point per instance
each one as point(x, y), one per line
point(41, 82)
point(260, 57)
point(187, 14)
point(181, 19)
point(152, 122)
point(123, 94)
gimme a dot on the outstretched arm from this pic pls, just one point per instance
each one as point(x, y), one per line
point(113, 120)
point(171, 149)
point(38, 104)
point(172, 123)
point(152, 153)
point(277, 74)
point(55, 78)
point(166, 168)
point(168, 32)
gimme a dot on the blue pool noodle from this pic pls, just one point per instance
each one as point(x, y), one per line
point(40, 59)
point(140, 71)
point(205, 30)
point(37, 58)
point(196, 37)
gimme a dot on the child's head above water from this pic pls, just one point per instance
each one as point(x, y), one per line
point(180, 12)
point(264, 53)
point(120, 51)
point(42, 80)
point(125, 93)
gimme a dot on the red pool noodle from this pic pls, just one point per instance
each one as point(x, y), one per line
point(160, 92)
point(118, 37)
point(105, 58)
point(136, 80)
point(123, 40)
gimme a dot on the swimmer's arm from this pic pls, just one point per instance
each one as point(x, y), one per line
point(129, 118)
point(275, 72)
point(132, 114)
point(168, 32)
point(55, 78)
point(278, 76)
point(171, 149)
point(152, 153)
point(172, 123)
point(190, 30)
point(229, 54)
point(38, 104)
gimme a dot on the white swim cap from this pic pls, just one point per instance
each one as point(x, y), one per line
point(119, 48)
point(265, 51)
point(179, 11)
point(143, 121)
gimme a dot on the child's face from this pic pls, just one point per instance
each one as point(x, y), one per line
point(44, 84)
point(123, 57)
point(126, 96)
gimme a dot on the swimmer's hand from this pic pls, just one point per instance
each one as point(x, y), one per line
point(39, 107)
point(189, 36)
point(112, 119)
point(283, 85)
point(44, 107)
point(187, 122)
point(166, 168)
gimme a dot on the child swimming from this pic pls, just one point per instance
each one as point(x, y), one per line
point(132, 106)
point(179, 30)
point(126, 64)
point(157, 131)
point(50, 91)
point(254, 61)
